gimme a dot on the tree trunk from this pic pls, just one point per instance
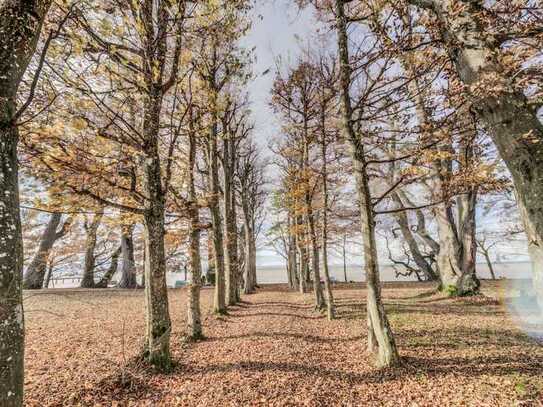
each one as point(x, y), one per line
point(11, 268)
point(387, 354)
point(421, 262)
point(20, 25)
point(234, 243)
point(35, 273)
point(489, 264)
point(241, 257)
point(230, 241)
point(194, 319)
point(156, 293)
point(345, 258)
point(330, 308)
point(48, 275)
point(90, 246)
point(315, 263)
point(456, 273)
point(108, 275)
point(250, 248)
point(252, 260)
point(469, 283)
point(511, 121)
point(303, 266)
point(292, 261)
point(128, 269)
point(219, 305)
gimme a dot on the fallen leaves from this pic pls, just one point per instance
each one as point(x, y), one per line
point(274, 349)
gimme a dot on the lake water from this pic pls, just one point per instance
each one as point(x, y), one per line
point(277, 274)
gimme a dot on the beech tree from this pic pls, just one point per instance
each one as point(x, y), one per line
point(250, 180)
point(20, 28)
point(36, 271)
point(128, 267)
point(91, 229)
point(489, 50)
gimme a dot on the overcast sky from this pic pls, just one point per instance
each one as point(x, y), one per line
point(276, 26)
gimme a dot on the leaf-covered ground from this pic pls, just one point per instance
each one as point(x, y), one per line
point(274, 349)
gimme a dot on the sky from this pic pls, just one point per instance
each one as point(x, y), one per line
point(276, 26)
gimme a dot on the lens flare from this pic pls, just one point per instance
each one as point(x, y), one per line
point(525, 307)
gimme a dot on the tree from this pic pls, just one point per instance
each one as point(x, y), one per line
point(194, 320)
point(113, 150)
point(112, 269)
point(250, 178)
point(20, 27)
point(380, 334)
point(235, 126)
point(91, 229)
point(35, 273)
point(128, 268)
point(489, 54)
point(484, 247)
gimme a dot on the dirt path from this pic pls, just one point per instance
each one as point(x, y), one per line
point(272, 351)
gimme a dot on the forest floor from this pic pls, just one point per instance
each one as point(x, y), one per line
point(274, 349)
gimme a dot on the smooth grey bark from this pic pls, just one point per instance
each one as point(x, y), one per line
point(48, 275)
point(420, 260)
point(219, 303)
point(112, 269)
point(128, 268)
point(380, 335)
point(90, 246)
point(241, 256)
point(330, 307)
point(469, 282)
point(158, 323)
point(457, 246)
point(231, 268)
point(510, 119)
point(249, 181)
point(292, 257)
point(309, 215)
point(194, 319)
point(315, 262)
point(455, 253)
point(303, 267)
point(250, 246)
point(20, 27)
point(35, 273)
